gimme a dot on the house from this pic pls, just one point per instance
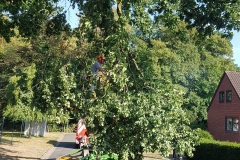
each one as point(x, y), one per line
point(224, 109)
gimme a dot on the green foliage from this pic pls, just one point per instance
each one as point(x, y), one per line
point(203, 134)
point(6, 28)
point(211, 149)
point(197, 66)
point(57, 24)
point(30, 18)
point(61, 82)
point(200, 14)
point(20, 96)
point(144, 115)
point(12, 55)
point(145, 121)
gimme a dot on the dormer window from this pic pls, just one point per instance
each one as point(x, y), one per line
point(228, 96)
point(221, 96)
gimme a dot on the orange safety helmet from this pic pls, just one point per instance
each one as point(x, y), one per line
point(100, 58)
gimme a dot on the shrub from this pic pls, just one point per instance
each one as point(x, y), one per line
point(215, 150)
point(203, 134)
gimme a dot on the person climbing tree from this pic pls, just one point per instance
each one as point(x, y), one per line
point(97, 66)
point(95, 69)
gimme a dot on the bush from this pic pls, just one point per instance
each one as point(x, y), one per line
point(215, 150)
point(203, 134)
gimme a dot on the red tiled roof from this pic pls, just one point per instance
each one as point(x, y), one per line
point(234, 77)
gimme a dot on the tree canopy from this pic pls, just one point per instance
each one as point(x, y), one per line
point(32, 15)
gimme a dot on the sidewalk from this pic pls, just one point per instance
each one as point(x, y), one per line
point(64, 146)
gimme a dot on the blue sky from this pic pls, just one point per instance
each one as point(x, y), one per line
point(236, 47)
point(73, 20)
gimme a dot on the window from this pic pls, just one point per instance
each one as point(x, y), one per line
point(232, 124)
point(221, 96)
point(228, 96)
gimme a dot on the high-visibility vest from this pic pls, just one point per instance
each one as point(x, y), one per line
point(81, 133)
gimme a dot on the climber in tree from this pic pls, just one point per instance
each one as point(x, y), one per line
point(95, 69)
point(97, 66)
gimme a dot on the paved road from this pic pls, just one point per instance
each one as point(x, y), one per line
point(64, 146)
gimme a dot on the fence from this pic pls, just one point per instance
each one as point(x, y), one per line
point(12, 131)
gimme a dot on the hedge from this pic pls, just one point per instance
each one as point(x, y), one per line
point(216, 150)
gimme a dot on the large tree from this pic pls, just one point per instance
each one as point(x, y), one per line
point(138, 109)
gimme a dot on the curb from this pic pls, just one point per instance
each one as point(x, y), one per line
point(48, 153)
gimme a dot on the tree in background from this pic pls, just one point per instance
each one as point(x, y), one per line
point(29, 17)
point(14, 55)
point(196, 64)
